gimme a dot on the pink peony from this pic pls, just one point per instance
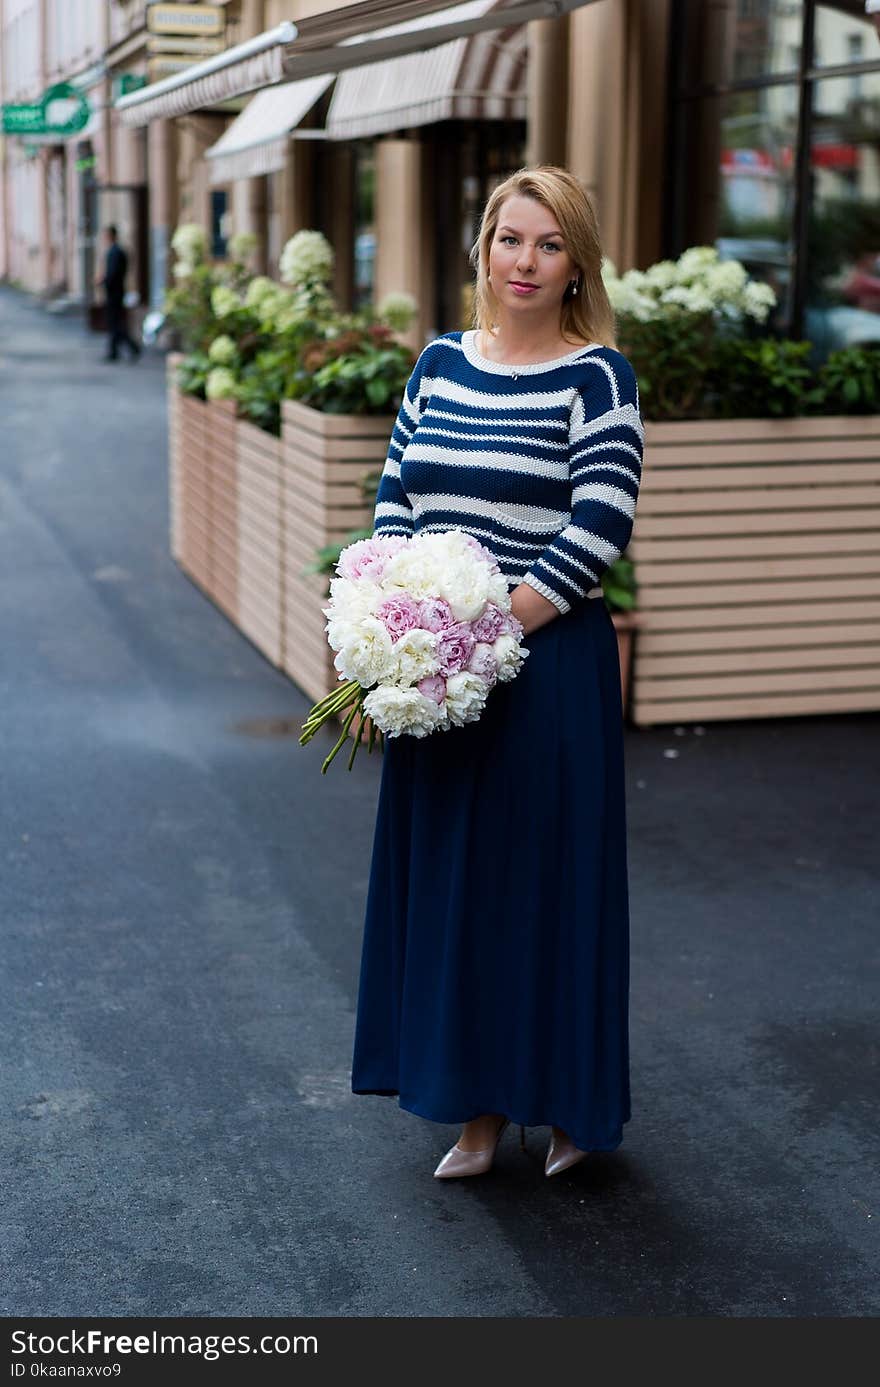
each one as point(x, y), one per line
point(511, 626)
point(489, 626)
point(483, 663)
point(399, 613)
point(435, 614)
point(366, 558)
point(433, 686)
point(455, 647)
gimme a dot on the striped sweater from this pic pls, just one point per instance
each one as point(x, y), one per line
point(541, 462)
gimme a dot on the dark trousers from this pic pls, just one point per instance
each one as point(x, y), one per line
point(117, 329)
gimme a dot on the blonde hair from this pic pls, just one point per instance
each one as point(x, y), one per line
point(586, 316)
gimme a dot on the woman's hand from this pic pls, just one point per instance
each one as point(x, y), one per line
point(530, 608)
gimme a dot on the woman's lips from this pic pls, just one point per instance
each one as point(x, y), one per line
point(523, 288)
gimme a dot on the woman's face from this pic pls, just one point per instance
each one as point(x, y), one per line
point(528, 248)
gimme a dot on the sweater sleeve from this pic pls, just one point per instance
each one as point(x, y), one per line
point(606, 440)
point(393, 512)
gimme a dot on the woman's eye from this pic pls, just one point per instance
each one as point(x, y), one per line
point(550, 245)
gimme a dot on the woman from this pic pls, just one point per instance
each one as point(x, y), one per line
point(495, 965)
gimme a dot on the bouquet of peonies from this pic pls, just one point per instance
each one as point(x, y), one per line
point(423, 630)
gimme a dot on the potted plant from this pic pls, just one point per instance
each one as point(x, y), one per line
point(758, 494)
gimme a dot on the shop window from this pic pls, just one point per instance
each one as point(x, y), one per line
point(364, 279)
point(219, 223)
point(808, 224)
point(843, 252)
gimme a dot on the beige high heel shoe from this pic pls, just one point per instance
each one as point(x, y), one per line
point(458, 1162)
point(562, 1154)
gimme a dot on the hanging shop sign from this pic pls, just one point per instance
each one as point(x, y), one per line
point(182, 43)
point(199, 20)
point(62, 110)
point(129, 82)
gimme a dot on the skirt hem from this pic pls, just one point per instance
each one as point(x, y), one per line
point(414, 1106)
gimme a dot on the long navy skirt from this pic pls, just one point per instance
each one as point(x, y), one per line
point(495, 965)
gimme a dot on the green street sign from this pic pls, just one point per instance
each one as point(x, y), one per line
point(62, 110)
point(130, 82)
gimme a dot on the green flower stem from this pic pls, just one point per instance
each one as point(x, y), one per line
point(358, 738)
point(339, 697)
point(328, 708)
point(345, 726)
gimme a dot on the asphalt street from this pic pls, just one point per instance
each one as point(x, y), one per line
point(181, 903)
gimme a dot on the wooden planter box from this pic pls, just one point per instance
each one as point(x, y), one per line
point(223, 477)
point(325, 458)
point(193, 487)
point(260, 538)
point(757, 553)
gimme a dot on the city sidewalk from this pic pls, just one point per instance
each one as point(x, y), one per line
point(181, 905)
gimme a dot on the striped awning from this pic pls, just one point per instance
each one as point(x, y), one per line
point(256, 141)
point(478, 76)
point(331, 42)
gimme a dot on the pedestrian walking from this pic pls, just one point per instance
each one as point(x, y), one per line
point(113, 283)
point(494, 978)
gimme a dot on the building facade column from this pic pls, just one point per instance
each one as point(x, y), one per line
point(401, 264)
point(162, 175)
point(547, 88)
point(616, 123)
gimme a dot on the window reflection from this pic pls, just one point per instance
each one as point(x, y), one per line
point(844, 34)
point(740, 157)
point(843, 253)
point(738, 40)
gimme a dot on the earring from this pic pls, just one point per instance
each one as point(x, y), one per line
point(574, 287)
point(488, 277)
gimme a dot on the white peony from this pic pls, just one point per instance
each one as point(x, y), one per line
point(413, 657)
point(411, 571)
point(366, 656)
point(465, 587)
point(466, 696)
point(510, 656)
point(395, 711)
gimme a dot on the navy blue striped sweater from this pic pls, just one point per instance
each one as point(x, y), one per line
point(541, 463)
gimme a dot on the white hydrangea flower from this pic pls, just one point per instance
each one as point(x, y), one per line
point(466, 696)
point(398, 310)
point(725, 281)
point(222, 350)
point(395, 711)
point(758, 299)
point(223, 301)
point(190, 244)
point(307, 256)
point(220, 384)
point(243, 244)
point(694, 262)
point(660, 275)
point(259, 288)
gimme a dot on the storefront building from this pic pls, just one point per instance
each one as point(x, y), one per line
point(752, 125)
